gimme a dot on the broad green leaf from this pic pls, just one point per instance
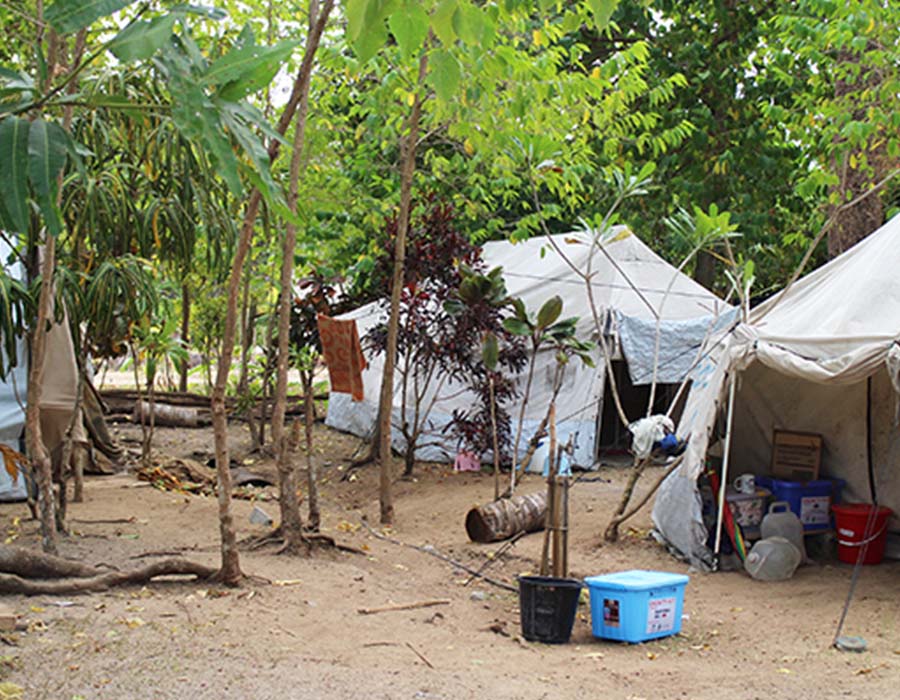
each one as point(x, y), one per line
point(409, 25)
point(442, 21)
point(549, 312)
point(603, 10)
point(140, 40)
point(356, 15)
point(365, 25)
point(490, 351)
point(71, 15)
point(14, 171)
point(516, 326)
point(248, 68)
point(444, 75)
point(47, 150)
point(214, 13)
point(245, 135)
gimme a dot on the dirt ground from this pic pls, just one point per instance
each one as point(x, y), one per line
point(300, 634)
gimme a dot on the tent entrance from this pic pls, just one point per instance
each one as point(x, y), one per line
point(614, 437)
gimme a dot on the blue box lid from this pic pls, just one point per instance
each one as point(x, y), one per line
point(636, 580)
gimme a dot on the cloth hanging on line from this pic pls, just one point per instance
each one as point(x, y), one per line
point(343, 355)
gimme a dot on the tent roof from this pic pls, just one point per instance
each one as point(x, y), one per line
point(628, 277)
point(844, 306)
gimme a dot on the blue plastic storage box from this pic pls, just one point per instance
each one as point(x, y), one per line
point(811, 501)
point(636, 606)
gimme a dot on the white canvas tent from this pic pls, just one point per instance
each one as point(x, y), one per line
point(822, 357)
point(630, 286)
point(58, 396)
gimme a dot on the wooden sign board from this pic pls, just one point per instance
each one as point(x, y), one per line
point(796, 456)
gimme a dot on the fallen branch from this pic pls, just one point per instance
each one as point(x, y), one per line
point(420, 655)
point(397, 644)
point(496, 556)
point(434, 553)
point(10, 583)
point(403, 606)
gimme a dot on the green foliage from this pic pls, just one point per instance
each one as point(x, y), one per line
point(72, 15)
point(120, 295)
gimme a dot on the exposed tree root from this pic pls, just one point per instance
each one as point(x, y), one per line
point(310, 539)
point(31, 564)
point(10, 583)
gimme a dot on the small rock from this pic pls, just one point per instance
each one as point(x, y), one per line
point(478, 596)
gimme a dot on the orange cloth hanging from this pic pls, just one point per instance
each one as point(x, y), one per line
point(343, 355)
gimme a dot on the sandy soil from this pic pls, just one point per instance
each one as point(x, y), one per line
point(303, 637)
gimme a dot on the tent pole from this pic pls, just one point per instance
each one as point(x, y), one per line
point(725, 459)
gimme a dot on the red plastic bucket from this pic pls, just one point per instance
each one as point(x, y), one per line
point(854, 536)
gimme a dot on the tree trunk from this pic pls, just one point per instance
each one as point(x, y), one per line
point(185, 332)
point(230, 572)
point(611, 534)
point(291, 521)
point(312, 476)
point(705, 269)
point(37, 453)
point(407, 169)
point(494, 441)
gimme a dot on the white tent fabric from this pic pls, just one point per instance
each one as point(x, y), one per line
point(818, 357)
point(13, 388)
point(58, 396)
point(629, 280)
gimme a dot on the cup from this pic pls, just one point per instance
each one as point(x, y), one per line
point(745, 483)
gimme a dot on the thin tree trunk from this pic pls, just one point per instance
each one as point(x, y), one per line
point(230, 572)
point(611, 534)
point(185, 332)
point(515, 462)
point(312, 476)
point(407, 169)
point(37, 452)
point(494, 440)
point(291, 520)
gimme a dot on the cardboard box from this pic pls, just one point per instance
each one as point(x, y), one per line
point(796, 456)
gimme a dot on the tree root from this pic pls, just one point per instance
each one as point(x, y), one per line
point(311, 539)
point(30, 564)
point(11, 583)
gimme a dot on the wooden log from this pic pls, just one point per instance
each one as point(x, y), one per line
point(174, 416)
point(502, 519)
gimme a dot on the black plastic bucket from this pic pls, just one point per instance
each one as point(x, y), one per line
point(547, 607)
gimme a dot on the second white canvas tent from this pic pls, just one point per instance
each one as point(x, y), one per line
point(632, 285)
point(821, 357)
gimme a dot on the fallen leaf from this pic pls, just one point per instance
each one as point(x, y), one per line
point(131, 622)
point(287, 582)
point(863, 671)
point(651, 655)
point(11, 691)
point(784, 670)
point(36, 609)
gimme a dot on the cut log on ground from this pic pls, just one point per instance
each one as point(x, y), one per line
point(172, 416)
point(502, 519)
